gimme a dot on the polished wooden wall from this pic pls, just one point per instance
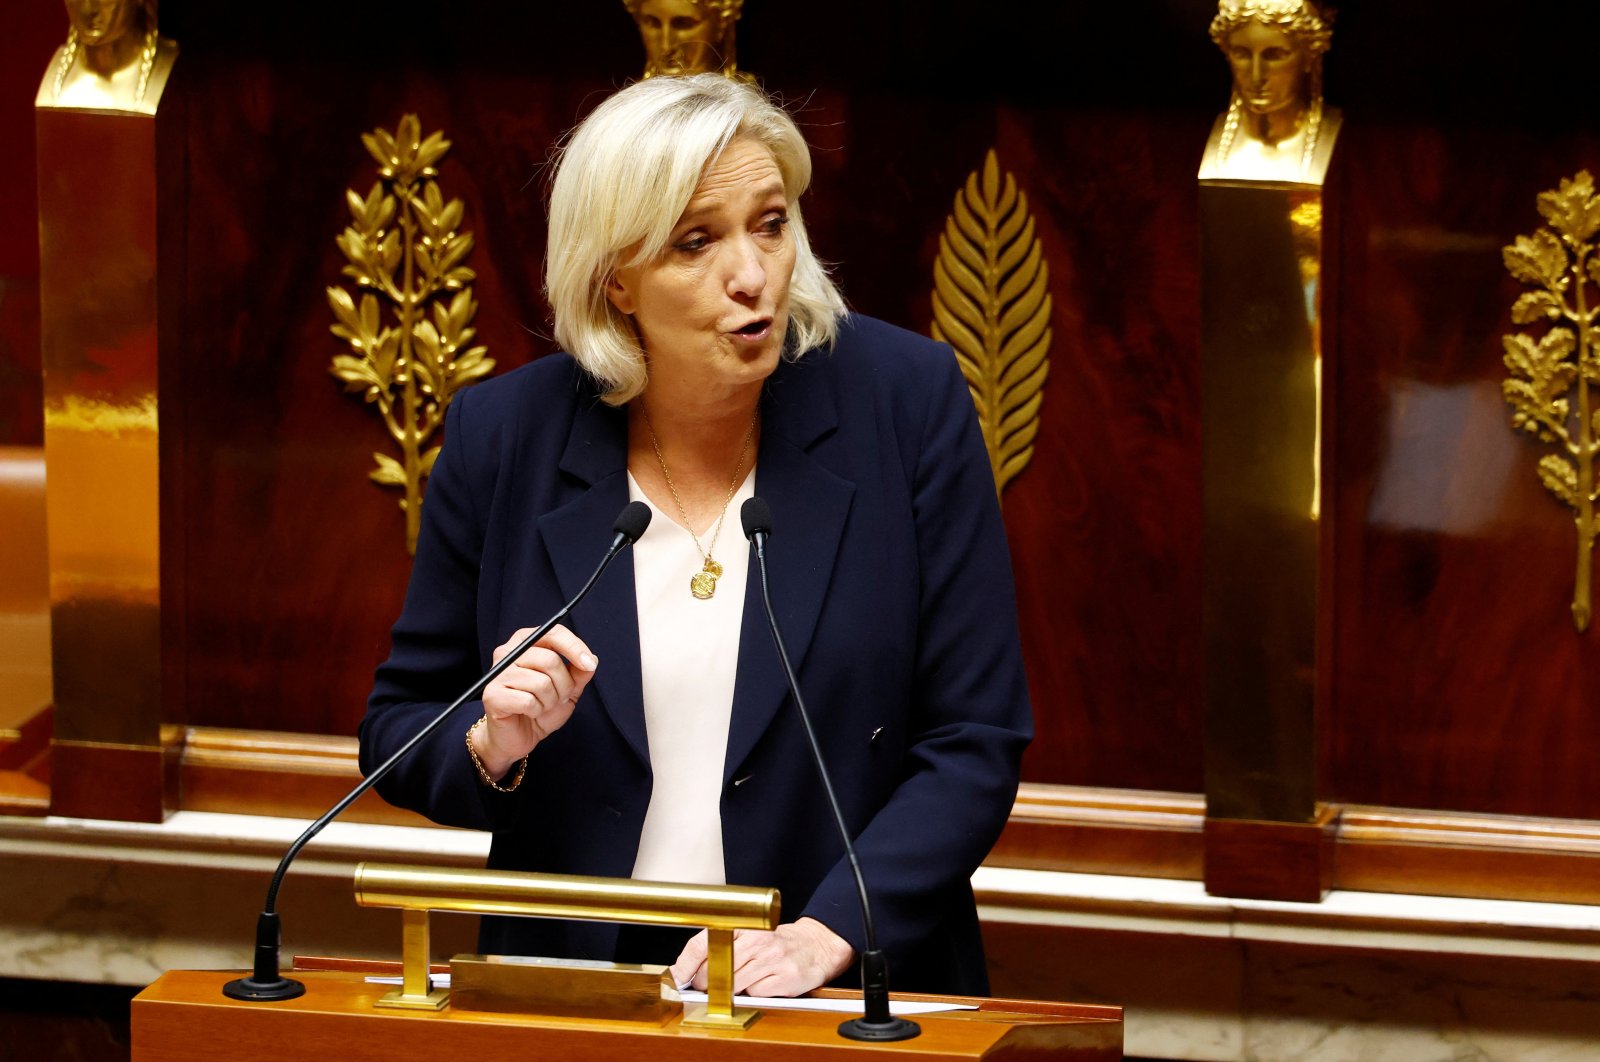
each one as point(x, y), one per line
point(1459, 680)
point(25, 50)
point(1454, 678)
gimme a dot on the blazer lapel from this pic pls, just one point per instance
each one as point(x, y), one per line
point(810, 504)
point(575, 536)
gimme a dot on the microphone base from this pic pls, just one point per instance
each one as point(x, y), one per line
point(253, 991)
point(879, 1031)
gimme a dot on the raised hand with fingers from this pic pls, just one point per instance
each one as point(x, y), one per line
point(532, 699)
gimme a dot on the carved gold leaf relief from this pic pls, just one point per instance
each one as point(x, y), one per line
point(991, 303)
point(410, 334)
point(1553, 375)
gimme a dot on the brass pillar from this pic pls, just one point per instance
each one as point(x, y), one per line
point(104, 258)
point(1261, 222)
point(1261, 256)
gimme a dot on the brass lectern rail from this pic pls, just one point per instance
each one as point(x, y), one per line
point(417, 890)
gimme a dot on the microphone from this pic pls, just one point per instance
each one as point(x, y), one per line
point(877, 1024)
point(266, 984)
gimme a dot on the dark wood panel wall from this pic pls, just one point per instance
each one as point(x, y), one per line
point(1455, 678)
point(1459, 680)
point(25, 50)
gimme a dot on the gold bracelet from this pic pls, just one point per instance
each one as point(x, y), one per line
point(483, 774)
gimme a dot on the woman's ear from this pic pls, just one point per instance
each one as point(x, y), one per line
point(620, 292)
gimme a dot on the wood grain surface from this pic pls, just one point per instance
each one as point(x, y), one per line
point(184, 1016)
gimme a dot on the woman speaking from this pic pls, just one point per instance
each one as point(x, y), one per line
point(709, 359)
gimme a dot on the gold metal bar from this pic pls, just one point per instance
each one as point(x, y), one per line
point(416, 991)
point(100, 273)
point(719, 973)
point(1261, 254)
point(715, 907)
point(615, 991)
point(414, 952)
point(719, 908)
point(719, 1011)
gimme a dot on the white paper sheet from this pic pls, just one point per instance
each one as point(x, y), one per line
point(899, 1008)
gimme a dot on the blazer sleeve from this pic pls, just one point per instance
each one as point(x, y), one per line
point(969, 711)
point(434, 655)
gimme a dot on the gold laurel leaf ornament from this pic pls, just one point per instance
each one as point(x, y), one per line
point(991, 303)
point(1554, 377)
point(410, 336)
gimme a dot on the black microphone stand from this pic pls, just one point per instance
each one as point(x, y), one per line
point(876, 1024)
point(266, 984)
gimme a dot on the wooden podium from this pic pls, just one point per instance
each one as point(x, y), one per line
point(184, 1017)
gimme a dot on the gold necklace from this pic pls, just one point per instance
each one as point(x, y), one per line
point(703, 583)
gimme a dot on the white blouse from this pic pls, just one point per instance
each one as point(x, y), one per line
point(688, 658)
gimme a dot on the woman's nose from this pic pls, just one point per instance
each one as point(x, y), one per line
point(747, 276)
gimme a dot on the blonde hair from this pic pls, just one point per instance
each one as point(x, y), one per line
point(623, 179)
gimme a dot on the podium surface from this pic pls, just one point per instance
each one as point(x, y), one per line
point(184, 1017)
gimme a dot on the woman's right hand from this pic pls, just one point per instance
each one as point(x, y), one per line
point(531, 699)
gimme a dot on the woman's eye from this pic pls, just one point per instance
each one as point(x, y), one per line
point(774, 225)
point(695, 242)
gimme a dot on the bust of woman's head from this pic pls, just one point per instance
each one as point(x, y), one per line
point(686, 36)
point(103, 22)
point(111, 33)
point(1275, 48)
point(1275, 127)
point(114, 59)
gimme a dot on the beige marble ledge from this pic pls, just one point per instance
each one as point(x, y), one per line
point(1387, 921)
point(97, 901)
point(1371, 920)
point(241, 842)
point(249, 847)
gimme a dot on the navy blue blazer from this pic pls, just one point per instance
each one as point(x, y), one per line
point(892, 583)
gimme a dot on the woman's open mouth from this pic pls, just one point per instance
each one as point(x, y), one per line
point(757, 329)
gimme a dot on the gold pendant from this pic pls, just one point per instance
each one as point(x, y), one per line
point(703, 583)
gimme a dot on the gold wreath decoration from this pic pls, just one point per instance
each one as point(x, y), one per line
point(1551, 388)
point(403, 250)
point(991, 303)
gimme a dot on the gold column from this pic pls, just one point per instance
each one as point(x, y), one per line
point(100, 182)
point(1261, 397)
point(1259, 407)
point(1261, 212)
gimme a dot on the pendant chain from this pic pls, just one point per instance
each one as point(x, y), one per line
point(704, 582)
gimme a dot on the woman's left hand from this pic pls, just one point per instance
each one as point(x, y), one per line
point(787, 961)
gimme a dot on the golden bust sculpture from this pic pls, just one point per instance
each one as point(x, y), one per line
point(687, 36)
point(1276, 127)
point(114, 59)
